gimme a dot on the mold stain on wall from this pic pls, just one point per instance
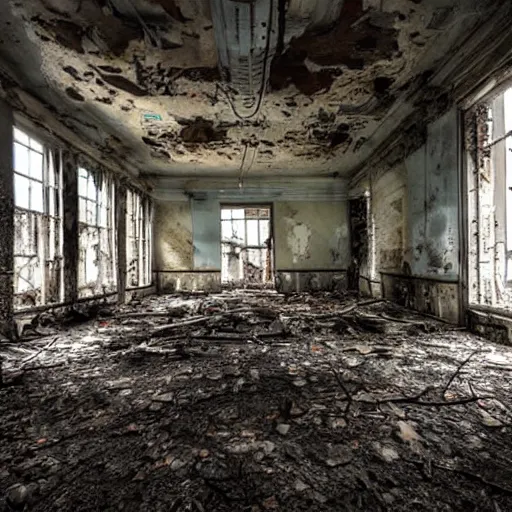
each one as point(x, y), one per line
point(298, 238)
point(173, 230)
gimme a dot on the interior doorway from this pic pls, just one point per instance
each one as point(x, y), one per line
point(247, 241)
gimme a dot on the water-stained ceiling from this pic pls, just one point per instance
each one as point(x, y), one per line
point(302, 87)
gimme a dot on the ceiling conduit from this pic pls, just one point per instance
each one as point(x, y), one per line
point(246, 37)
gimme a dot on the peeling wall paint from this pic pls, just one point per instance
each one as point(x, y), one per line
point(173, 236)
point(298, 237)
point(187, 246)
point(308, 236)
point(389, 195)
point(424, 295)
point(311, 281)
point(311, 235)
point(172, 282)
point(433, 197)
point(415, 219)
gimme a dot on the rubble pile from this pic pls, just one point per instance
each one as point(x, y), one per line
point(255, 401)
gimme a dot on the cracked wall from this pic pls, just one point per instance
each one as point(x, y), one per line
point(312, 245)
point(338, 69)
point(311, 235)
point(389, 203)
point(185, 251)
point(415, 221)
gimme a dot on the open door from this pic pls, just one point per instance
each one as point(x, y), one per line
point(247, 246)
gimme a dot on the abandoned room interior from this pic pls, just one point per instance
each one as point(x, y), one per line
point(256, 255)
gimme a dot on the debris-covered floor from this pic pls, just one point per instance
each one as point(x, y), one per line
point(252, 401)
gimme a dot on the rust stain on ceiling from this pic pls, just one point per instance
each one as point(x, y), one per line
point(140, 77)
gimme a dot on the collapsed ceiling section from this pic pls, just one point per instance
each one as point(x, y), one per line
point(230, 87)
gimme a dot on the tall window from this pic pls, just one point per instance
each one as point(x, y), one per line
point(246, 254)
point(38, 222)
point(97, 261)
point(138, 239)
point(489, 174)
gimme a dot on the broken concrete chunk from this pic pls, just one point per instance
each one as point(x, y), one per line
point(407, 432)
point(123, 383)
point(473, 442)
point(388, 453)
point(338, 455)
point(490, 421)
point(338, 423)
point(166, 397)
point(276, 327)
point(177, 464)
point(319, 497)
point(238, 385)
point(283, 428)
point(300, 486)
point(363, 396)
point(353, 362)
point(270, 503)
point(17, 496)
point(268, 447)
point(239, 448)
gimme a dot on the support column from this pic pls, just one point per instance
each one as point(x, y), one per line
point(121, 241)
point(6, 222)
point(70, 225)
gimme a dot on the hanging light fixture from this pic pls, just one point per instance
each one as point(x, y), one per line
point(246, 37)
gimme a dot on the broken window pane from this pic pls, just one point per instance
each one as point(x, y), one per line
point(245, 229)
point(137, 243)
point(97, 255)
point(37, 239)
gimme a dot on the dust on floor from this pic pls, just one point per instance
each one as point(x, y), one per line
point(253, 401)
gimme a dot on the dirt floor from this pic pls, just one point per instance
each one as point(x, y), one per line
point(253, 401)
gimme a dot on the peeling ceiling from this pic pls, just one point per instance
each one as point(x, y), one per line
point(141, 78)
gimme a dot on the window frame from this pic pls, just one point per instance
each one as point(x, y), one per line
point(100, 225)
point(45, 224)
point(138, 239)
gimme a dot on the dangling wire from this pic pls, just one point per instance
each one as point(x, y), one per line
point(266, 56)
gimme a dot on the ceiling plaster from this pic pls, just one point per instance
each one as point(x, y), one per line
point(139, 80)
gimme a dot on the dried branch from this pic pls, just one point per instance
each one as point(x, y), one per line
point(461, 365)
point(38, 353)
point(439, 404)
point(344, 388)
point(162, 330)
